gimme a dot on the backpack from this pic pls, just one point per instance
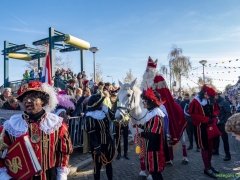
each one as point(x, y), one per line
point(186, 113)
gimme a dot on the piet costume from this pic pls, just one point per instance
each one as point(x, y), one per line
point(204, 112)
point(153, 134)
point(97, 124)
point(48, 136)
point(176, 119)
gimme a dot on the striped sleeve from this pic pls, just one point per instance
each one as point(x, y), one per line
point(64, 148)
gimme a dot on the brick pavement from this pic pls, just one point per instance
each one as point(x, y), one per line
point(129, 169)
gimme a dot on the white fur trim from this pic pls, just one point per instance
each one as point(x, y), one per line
point(203, 102)
point(53, 102)
point(17, 126)
point(98, 114)
point(154, 112)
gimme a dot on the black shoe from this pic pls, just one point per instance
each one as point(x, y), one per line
point(227, 158)
point(119, 156)
point(198, 150)
point(190, 147)
point(126, 156)
point(210, 173)
point(215, 152)
point(214, 170)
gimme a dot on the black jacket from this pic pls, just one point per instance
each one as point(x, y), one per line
point(183, 103)
point(7, 106)
point(225, 110)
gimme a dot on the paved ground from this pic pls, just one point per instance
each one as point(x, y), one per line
point(129, 169)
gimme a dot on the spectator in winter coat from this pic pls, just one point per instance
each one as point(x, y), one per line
point(26, 75)
point(190, 127)
point(32, 74)
point(224, 114)
point(11, 104)
point(71, 90)
point(6, 93)
point(178, 100)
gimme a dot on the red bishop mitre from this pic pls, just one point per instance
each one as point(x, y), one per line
point(151, 63)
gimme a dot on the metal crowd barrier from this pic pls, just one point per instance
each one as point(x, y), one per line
point(76, 130)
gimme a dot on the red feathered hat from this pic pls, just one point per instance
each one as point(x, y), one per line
point(31, 86)
point(210, 91)
point(150, 95)
point(151, 63)
point(41, 87)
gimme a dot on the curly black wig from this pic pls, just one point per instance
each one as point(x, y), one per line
point(37, 94)
point(151, 104)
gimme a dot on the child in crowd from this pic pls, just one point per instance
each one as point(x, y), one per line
point(78, 93)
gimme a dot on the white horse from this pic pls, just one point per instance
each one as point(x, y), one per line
point(130, 103)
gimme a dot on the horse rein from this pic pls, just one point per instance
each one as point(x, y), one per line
point(130, 109)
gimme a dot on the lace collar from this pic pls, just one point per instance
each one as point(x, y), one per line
point(17, 126)
point(98, 114)
point(203, 102)
point(154, 112)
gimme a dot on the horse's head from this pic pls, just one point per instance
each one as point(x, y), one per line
point(128, 99)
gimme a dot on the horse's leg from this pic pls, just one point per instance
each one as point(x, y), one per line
point(183, 142)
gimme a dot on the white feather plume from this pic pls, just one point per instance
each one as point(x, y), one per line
point(53, 102)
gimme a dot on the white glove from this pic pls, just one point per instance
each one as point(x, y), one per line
point(4, 153)
point(62, 173)
point(3, 174)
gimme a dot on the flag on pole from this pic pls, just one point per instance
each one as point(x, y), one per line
point(46, 74)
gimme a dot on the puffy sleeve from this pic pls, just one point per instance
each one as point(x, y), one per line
point(64, 148)
point(4, 140)
point(196, 112)
point(89, 126)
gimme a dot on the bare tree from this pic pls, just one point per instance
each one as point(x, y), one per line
point(178, 64)
point(208, 81)
point(59, 61)
point(228, 87)
point(129, 77)
point(98, 72)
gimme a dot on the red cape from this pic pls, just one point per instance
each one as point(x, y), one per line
point(177, 120)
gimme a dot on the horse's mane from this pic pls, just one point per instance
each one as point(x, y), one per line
point(135, 88)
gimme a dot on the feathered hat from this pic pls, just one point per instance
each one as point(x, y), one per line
point(65, 100)
point(41, 87)
point(151, 63)
point(210, 91)
point(149, 93)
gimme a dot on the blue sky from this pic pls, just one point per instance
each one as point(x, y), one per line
point(127, 32)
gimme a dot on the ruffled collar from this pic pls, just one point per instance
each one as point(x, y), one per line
point(17, 126)
point(203, 102)
point(98, 114)
point(154, 112)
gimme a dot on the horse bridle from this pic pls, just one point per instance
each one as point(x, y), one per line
point(120, 108)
